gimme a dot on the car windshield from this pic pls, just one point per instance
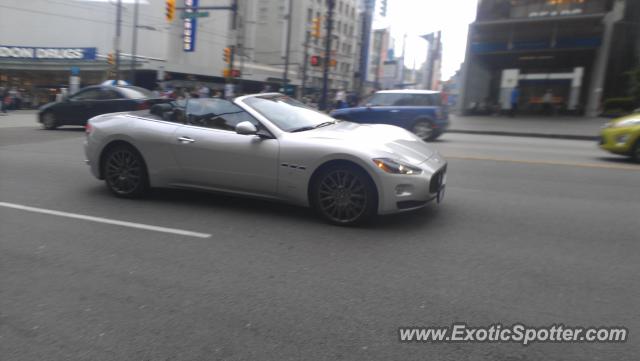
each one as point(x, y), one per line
point(404, 99)
point(134, 92)
point(288, 114)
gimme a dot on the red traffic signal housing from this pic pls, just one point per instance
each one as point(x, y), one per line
point(316, 60)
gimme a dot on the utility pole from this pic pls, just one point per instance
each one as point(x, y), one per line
point(327, 56)
point(404, 48)
point(234, 25)
point(379, 57)
point(285, 75)
point(134, 42)
point(305, 63)
point(363, 68)
point(117, 39)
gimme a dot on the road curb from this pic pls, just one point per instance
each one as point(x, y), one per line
point(522, 134)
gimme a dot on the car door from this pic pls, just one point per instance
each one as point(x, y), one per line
point(77, 109)
point(211, 154)
point(112, 101)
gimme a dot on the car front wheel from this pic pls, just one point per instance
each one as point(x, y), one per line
point(635, 152)
point(124, 172)
point(49, 121)
point(344, 195)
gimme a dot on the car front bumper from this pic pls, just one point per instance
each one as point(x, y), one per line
point(400, 193)
point(617, 140)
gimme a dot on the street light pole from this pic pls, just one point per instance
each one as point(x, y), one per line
point(134, 42)
point(285, 74)
point(117, 39)
point(234, 27)
point(305, 63)
point(327, 56)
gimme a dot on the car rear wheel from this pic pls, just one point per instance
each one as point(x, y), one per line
point(424, 130)
point(49, 121)
point(124, 172)
point(635, 152)
point(344, 195)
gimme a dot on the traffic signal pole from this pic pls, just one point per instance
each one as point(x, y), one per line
point(117, 39)
point(134, 42)
point(327, 57)
point(234, 27)
point(285, 74)
point(305, 63)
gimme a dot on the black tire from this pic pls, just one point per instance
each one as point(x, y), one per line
point(423, 128)
point(635, 152)
point(125, 172)
point(49, 121)
point(344, 195)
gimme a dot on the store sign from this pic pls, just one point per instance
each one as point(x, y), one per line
point(190, 26)
point(551, 13)
point(27, 52)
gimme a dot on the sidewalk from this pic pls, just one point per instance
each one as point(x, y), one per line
point(19, 119)
point(581, 128)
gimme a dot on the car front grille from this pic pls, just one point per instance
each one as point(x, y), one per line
point(436, 180)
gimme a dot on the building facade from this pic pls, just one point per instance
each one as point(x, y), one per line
point(578, 50)
point(43, 42)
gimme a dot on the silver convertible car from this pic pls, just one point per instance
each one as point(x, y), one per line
point(268, 146)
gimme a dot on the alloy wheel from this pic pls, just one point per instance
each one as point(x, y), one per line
point(342, 196)
point(124, 172)
point(49, 121)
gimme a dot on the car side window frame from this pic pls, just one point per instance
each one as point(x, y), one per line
point(82, 93)
point(110, 91)
point(237, 110)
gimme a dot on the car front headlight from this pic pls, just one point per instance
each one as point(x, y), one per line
point(396, 166)
point(627, 123)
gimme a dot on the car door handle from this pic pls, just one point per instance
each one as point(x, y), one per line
point(394, 111)
point(186, 140)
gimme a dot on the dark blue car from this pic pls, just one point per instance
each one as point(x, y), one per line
point(419, 111)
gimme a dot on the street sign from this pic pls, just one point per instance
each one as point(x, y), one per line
point(191, 15)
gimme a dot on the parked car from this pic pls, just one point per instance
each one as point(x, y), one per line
point(268, 146)
point(419, 111)
point(95, 100)
point(622, 136)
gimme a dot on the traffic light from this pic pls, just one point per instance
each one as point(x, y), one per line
point(315, 28)
point(111, 59)
point(227, 55)
point(383, 8)
point(170, 12)
point(315, 60)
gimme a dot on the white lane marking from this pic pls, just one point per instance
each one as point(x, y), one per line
point(115, 222)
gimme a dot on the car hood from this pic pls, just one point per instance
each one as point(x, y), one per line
point(47, 106)
point(378, 139)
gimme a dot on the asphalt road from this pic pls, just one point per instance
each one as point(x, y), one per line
point(532, 230)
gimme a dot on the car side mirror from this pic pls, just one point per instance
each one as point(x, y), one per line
point(368, 105)
point(246, 128)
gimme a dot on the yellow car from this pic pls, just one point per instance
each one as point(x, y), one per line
point(622, 136)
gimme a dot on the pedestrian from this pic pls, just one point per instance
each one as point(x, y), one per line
point(547, 102)
point(341, 97)
point(204, 91)
point(515, 97)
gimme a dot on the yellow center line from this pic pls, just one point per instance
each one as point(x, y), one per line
point(548, 162)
